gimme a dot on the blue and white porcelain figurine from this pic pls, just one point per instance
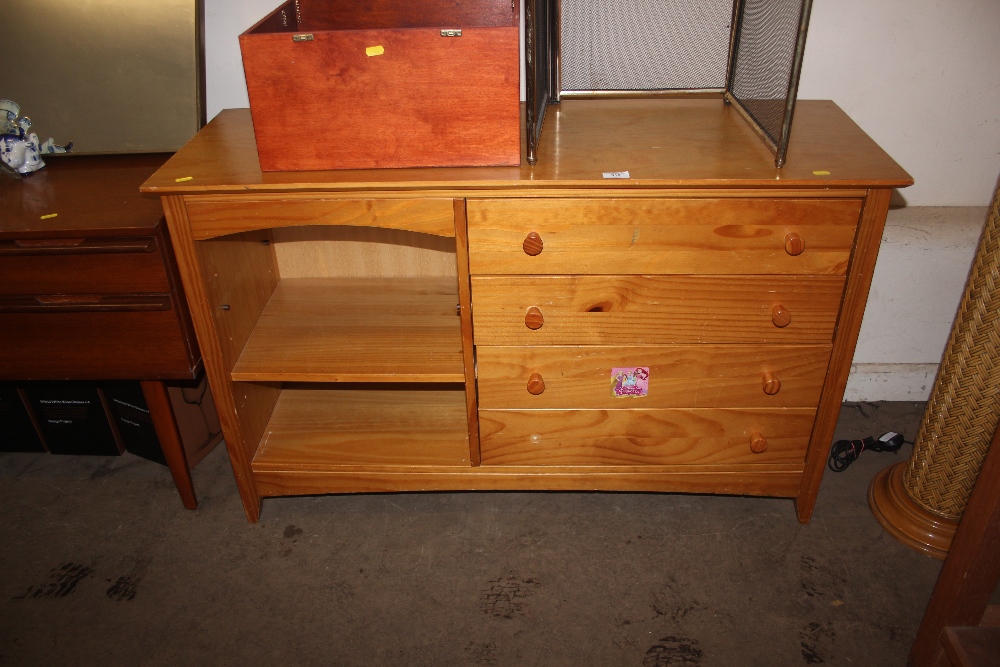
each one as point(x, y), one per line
point(19, 148)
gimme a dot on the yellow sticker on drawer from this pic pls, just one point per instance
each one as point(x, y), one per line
point(374, 50)
point(631, 382)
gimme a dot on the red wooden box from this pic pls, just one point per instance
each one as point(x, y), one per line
point(336, 84)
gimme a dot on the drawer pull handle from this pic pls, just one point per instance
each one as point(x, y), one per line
point(79, 303)
point(536, 384)
point(772, 385)
point(532, 244)
point(794, 244)
point(82, 246)
point(758, 443)
point(48, 243)
point(780, 317)
point(533, 319)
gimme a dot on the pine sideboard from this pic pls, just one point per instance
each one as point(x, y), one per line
point(461, 328)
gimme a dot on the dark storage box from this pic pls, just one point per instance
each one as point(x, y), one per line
point(72, 417)
point(132, 419)
point(389, 83)
point(17, 429)
point(194, 414)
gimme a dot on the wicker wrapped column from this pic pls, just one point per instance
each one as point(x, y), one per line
point(920, 501)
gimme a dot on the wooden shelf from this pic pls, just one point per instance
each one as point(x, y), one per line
point(329, 428)
point(356, 330)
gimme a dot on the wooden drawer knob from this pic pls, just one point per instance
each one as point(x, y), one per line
point(533, 319)
point(536, 384)
point(772, 385)
point(780, 317)
point(757, 443)
point(794, 244)
point(532, 244)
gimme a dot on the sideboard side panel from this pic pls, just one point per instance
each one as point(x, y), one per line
point(852, 310)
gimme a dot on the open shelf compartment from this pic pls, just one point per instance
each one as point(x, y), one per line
point(356, 330)
point(325, 428)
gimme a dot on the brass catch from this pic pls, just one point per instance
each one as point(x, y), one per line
point(451, 33)
point(303, 38)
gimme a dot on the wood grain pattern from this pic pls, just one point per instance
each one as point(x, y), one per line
point(329, 428)
point(67, 270)
point(694, 376)
point(425, 101)
point(356, 330)
point(468, 336)
point(715, 236)
point(198, 291)
point(90, 195)
point(241, 275)
point(161, 413)
point(642, 436)
point(681, 145)
point(859, 280)
point(65, 343)
point(361, 252)
point(694, 157)
point(622, 310)
point(776, 480)
point(219, 215)
point(347, 15)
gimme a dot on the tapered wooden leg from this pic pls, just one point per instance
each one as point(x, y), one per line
point(162, 413)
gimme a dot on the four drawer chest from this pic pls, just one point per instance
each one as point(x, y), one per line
point(653, 306)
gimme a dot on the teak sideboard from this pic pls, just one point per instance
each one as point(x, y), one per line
point(459, 328)
point(89, 289)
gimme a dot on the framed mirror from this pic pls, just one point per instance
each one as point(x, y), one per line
point(111, 76)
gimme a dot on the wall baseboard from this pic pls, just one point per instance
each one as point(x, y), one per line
point(890, 382)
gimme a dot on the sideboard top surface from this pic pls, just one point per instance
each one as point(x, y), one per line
point(674, 143)
point(77, 194)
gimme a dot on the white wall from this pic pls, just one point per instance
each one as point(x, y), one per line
point(922, 77)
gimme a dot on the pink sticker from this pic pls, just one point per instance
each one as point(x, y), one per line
point(629, 382)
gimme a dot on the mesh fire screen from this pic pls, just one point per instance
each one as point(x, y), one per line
point(764, 75)
point(644, 45)
point(540, 42)
point(750, 51)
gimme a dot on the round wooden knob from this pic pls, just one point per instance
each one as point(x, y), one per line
point(532, 244)
point(780, 317)
point(772, 385)
point(536, 384)
point(794, 244)
point(533, 318)
point(757, 443)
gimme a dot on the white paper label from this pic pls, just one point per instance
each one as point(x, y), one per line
point(616, 174)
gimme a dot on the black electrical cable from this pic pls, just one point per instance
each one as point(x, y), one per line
point(845, 452)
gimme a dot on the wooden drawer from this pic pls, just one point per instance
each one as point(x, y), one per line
point(112, 265)
point(694, 376)
point(218, 215)
point(116, 340)
point(652, 437)
point(672, 236)
point(624, 310)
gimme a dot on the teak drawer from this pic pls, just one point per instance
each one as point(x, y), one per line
point(144, 338)
point(82, 266)
point(672, 236)
point(623, 310)
point(692, 376)
point(654, 437)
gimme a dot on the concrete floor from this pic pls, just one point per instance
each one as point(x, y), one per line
point(100, 565)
